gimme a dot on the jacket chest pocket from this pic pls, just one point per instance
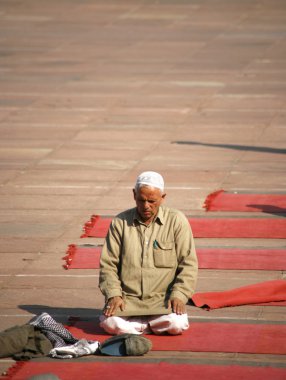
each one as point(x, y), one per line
point(164, 254)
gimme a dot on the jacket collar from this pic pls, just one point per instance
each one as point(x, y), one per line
point(158, 219)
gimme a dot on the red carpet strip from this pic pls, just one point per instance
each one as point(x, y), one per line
point(261, 293)
point(207, 337)
point(81, 257)
point(224, 201)
point(143, 371)
point(240, 258)
point(265, 228)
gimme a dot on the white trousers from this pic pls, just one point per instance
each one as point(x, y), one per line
point(173, 324)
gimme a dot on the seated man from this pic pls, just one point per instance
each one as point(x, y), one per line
point(148, 267)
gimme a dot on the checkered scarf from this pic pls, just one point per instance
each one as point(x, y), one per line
point(57, 334)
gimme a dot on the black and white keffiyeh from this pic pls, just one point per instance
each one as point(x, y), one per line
point(57, 334)
point(65, 345)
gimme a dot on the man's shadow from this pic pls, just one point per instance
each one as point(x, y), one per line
point(270, 209)
point(63, 314)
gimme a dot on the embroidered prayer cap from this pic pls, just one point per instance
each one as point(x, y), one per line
point(125, 345)
point(151, 179)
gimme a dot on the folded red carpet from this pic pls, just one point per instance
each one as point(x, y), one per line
point(87, 257)
point(266, 228)
point(224, 201)
point(207, 337)
point(263, 292)
point(142, 371)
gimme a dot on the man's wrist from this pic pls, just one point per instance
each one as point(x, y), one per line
point(111, 298)
point(180, 296)
point(112, 294)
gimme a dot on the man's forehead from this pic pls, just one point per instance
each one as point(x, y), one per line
point(147, 192)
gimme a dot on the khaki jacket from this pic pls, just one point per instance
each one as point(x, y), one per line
point(148, 264)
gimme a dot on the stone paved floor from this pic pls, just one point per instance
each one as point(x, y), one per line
point(92, 93)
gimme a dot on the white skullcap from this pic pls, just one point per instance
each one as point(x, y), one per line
point(151, 179)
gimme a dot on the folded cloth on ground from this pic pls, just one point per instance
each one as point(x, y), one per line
point(80, 348)
point(23, 343)
point(54, 331)
point(263, 292)
point(125, 345)
point(65, 345)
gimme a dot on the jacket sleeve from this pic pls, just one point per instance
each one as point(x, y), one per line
point(187, 270)
point(109, 282)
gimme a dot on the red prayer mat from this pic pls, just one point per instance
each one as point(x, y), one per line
point(87, 257)
point(224, 201)
point(82, 257)
point(239, 258)
point(265, 228)
point(206, 337)
point(268, 291)
point(142, 371)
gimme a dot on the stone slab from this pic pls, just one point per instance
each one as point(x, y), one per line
point(93, 93)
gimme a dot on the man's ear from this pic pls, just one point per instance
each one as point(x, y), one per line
point(164, 196)
point(134, 194)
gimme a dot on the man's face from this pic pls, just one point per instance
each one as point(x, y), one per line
point(148, 200)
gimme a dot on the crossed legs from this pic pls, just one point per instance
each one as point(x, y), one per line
point(173, 324)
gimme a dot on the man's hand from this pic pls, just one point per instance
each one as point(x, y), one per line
point(112, 305)
point(177, 306)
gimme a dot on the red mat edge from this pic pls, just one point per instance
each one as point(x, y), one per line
point(217, 299)
point(69, 255)
point(276, 373)
point(72, 250)
point(99, 334)
point(89, 225)
point(210, 198)
point(13, 370)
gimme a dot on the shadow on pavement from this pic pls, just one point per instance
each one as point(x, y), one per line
point(263, 149)
point(269, 209)
point(62, 314)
